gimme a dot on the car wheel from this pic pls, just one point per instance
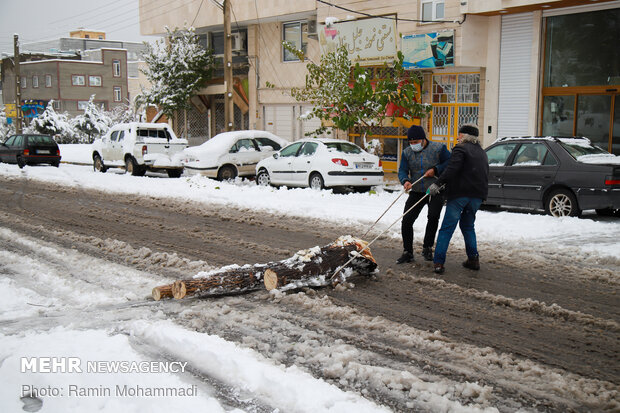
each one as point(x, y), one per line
point(56, 164)
point(20, 162)
point(263, 178)
point(174, 173)
point(562, 203)
point(316, 181)
point(226, 173)
point(131, 167)
point(98, 165)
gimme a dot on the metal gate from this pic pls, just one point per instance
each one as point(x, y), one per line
point(456, 98)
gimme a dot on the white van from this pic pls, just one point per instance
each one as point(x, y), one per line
point(139, 147)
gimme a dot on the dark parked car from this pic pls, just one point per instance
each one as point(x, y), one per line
point(563, 176)
point(29, 150)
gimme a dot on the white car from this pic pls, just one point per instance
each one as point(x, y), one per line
point(321, 163)
point(231, 154)
point(139, 147)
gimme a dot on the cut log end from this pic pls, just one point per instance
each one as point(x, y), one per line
point(270, 279)
point(179, 290)
point(163, 291)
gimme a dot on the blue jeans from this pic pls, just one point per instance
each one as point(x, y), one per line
point(462, 211)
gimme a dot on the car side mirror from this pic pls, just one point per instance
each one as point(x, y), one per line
point(276, 155)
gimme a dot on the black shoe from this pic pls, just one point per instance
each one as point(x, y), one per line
point(406, 257)
point(472, 263)
point(439, 268)
point(427, 252)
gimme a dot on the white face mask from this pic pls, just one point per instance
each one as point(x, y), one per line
point(416, 147)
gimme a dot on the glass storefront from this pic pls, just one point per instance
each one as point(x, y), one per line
point(581, 82)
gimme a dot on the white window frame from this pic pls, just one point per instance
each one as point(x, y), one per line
point(35, 81)
point(95, 83)
point(56, 104)
point(116, 68)
point(300, 40)
point(75, 80)
point(48, 80)
point(433, 5)
point(82, 104)
point(24, 82)
point(117, 94)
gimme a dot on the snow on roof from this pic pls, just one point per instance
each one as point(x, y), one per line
point(603, 158)
point(223, 141)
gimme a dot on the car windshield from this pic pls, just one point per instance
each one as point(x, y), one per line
point(40, 139)
point(344, 147)
point(578, 147)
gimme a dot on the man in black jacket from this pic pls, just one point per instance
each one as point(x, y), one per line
point(466, 179)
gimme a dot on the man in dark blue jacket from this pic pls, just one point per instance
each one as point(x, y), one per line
point(421, 158)
point(466, 178)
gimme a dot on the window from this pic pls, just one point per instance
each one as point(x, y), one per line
point(290, 150)
point(114, 136)
point(498, 155)
point(530, 154)
point(78, 80)
point(48, 80)
point(23, 82)
point(82, 104)
point(432, 10)
point(243, 145)
point(56, 105)
point(267, 144)
point(9, 142)
point(117, 94)
point(297, 35)
point(309, 148)
point(116, 68)
point(121, 136)
point(35, 81)
point(94, 80)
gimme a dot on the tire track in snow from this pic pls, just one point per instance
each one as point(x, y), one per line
point(522, 304)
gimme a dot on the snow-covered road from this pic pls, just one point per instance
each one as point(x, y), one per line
point(77, 296)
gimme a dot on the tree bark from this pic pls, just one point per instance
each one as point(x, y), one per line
point(313, 267)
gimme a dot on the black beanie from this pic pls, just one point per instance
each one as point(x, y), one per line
point(416, 132)
point(469, 130)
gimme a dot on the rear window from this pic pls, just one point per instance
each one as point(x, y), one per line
point(577, 148)
point(153, 133)
point(344, 147)
point(34, 139)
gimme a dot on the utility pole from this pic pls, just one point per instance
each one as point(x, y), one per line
point(229, 111)
point(18, 87)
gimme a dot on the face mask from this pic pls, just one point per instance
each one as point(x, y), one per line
point(416, 147)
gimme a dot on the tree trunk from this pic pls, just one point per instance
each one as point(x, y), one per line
point(163, 291)
point(313, 267)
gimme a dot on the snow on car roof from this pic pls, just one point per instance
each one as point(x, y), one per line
point(223, 141)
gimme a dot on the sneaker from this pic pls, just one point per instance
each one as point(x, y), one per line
point(472, 263)
point(439, 268)
point(427, 252)
point(406, 257)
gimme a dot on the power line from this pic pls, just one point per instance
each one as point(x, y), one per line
point(390, 17)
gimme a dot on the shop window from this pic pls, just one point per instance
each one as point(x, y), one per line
point(582, 49)
point(297, 35)
point(558, 115)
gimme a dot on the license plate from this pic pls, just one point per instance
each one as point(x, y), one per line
point(363, 165)
point(43, 151)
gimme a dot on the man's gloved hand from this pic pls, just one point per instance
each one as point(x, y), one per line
point(433, 190)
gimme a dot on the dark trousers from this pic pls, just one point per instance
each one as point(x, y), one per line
point(435, 203)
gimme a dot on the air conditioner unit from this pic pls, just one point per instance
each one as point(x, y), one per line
point(312, 29)
point(237, 41)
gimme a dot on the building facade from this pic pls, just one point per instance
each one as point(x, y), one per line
point(511, 67)
point(69, 82)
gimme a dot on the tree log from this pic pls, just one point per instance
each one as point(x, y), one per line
point(163, 291)
point(312, 267)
